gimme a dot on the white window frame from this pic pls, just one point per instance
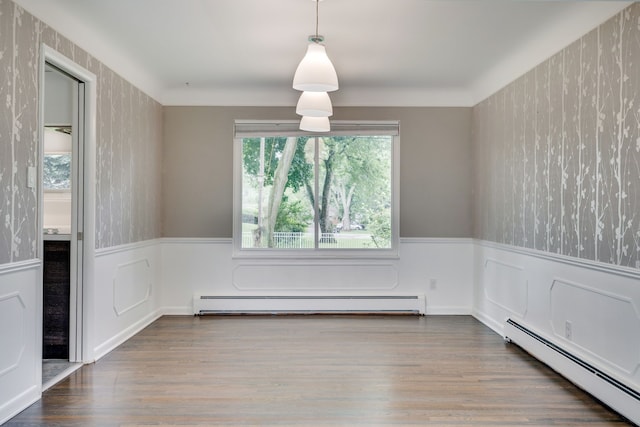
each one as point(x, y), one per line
point(256, 128)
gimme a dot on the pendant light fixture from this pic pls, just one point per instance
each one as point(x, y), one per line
point(315, 76)
point(315, 124)
point(316, 73)
point(314, 104)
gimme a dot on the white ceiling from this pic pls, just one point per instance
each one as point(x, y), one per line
point(386, 52)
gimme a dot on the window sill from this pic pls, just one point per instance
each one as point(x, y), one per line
point(346, 255)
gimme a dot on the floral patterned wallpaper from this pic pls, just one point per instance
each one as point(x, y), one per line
point(129, 139)
point(557, 152)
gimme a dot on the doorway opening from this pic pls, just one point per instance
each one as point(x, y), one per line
point(67, 114)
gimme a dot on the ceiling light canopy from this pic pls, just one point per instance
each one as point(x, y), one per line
point(315, 76)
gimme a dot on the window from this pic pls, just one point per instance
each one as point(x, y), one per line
point(304, 194)
point(56, 172)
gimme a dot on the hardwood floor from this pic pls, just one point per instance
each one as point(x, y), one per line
point(316, 370)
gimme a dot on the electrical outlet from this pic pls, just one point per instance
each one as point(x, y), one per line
point(568, 332)
point(433, 284)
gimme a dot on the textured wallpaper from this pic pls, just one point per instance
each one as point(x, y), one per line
point(557, 152)
point(129, 142)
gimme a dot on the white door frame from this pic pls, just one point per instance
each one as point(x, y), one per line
point(82, 294)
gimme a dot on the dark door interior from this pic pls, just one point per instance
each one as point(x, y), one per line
point(56, 277)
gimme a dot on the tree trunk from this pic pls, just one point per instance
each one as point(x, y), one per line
point(325, 226)
point(280, 178)
point(347, 197)
point(309, 188)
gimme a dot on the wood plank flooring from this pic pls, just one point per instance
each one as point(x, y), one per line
point(314, 371)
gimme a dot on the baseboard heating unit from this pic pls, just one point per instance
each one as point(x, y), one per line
point(609, 390)
point(306, 304)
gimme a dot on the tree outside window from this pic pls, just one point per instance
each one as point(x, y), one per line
point(57, 171)
point(310, 192)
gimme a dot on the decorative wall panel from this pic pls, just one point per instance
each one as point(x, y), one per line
point(12, 325)
point(599, 330)
point(320, 277)
point(20, 357)
point(440, 269)
point(132, 285)
point(589, 309)
point(506, 286)
point(557, 152)
point(127, 293)
point(128, 142)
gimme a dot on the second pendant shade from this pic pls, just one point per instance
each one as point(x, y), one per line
point(314, 104)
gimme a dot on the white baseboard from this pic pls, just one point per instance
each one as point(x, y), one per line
point(586, 308)
point(16, 405)
point(177, 311)
point(492, 324)
point(607, 389)
point(109, 345)
point(452, 310)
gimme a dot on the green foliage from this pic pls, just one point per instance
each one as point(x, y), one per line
point(57, 171)
point(354, 182)
point(380, 228)
point(293, 217)
point(299, 173)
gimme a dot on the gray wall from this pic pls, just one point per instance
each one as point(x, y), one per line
point(129, 136)
point(435, 167)
point(557, 152)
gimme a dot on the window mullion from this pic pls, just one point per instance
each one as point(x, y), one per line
point(316, 188)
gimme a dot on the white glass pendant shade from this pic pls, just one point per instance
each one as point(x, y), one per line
point(315, 73)
point(314, 104)
point(315, 124)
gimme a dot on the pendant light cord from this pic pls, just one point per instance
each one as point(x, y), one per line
point(317, 38)
point(317, 12)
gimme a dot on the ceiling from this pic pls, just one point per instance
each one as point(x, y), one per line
point(386, 52)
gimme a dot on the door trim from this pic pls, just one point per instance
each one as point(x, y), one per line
point(83, 351)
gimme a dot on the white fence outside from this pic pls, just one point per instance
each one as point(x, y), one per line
point(284, 240)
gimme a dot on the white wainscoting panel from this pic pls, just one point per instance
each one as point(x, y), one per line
point(194, 266)
point(441, 269)
point(596, 330)
point(132, 285)
point(506, 286)
point(20, 336)
point(322, 276)
point(586, 308)
point(127, 293)
point(13, 320)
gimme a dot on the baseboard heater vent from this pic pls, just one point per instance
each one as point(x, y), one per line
point(306, 304)
point(611, 391)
